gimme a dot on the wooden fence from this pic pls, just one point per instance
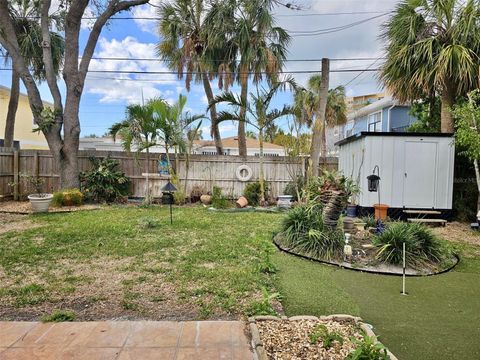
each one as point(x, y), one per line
point(205, 171)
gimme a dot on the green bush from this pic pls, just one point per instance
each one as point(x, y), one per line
point(219, 201)
point(295, 188)
point(252, 193)
point(104, 182)
point(368, 350)
point(148, 223)
point(303, 231)
point(70, 197)
point(421, 245)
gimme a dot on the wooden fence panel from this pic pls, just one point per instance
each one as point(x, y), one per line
point(204, 171)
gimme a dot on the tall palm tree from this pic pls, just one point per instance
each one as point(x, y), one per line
point(307, 104)
point(30, 39)
point(261, 46)
point(258, 114)
point(186, 28)
point(433, 46)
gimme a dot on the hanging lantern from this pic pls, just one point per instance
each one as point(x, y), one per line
point(373, 180)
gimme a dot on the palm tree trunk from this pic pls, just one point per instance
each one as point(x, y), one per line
point(324, 141)
point(320, 120)
point(214, 131)
point(8, 140)
point(147, 199)
point(242, 140)
point(262, 174)
point(448, 99)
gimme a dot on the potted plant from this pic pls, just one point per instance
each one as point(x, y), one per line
point(353, 190)
point(40, 201)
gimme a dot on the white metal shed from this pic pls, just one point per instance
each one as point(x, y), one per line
point(416, 169)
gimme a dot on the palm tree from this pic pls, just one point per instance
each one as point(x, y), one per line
point(258, 114)
point(307, 104)
point(138, 132)
point(433, 47)
point(261, 46)
point(30, 39)
point(186, 27)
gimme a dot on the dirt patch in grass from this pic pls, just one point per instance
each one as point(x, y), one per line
point(24, 207)
point(94, 290)
point(459, 232)
point(15, 222)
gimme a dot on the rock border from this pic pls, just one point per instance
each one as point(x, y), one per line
point(257, 344)
point(364, 270)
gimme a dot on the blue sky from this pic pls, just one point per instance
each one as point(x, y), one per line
point(105, 97)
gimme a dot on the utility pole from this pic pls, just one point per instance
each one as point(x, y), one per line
point(318, 141)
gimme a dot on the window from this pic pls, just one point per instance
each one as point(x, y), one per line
point(375, 122)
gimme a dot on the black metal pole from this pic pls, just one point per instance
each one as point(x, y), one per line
point(171, 217)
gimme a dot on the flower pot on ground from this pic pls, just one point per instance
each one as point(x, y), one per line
point(206, 199)
point(352, 210)
point(285, 201)
point(242, 202)
point(380, 211)
point(40, 202)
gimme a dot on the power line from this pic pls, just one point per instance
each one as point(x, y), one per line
point(363, 72)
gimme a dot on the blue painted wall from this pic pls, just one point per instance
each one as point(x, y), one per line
point(399, 120)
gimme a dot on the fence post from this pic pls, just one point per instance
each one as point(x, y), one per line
point(15, 175)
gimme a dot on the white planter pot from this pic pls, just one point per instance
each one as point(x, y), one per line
point(40, 202)
point(285, 201)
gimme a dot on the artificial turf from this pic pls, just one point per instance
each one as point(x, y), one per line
point(438, 319)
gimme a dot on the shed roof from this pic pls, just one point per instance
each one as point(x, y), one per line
point(389, 134)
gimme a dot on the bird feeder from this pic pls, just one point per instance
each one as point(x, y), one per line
point(167, 197)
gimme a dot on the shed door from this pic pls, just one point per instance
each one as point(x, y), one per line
point(420, 174)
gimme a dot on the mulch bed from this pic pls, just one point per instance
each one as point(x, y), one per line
point(24, 207)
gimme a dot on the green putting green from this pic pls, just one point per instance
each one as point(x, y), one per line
point(438, 319)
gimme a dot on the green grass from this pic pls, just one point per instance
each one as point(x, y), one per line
point(439, 319)
point(205, 265)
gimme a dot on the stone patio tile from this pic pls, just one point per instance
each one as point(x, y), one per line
point(81, 353)
point(154, 334)
point(212, 333)
point(61, 334)
point(147, 354)
point(211, 353)
point(104, 334)
point(10, 332)
point(242, 353)
point(47, 352)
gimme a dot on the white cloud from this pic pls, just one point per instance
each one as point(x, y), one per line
point(128, 87)
point(147, 11)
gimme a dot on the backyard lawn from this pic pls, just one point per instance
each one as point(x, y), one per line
point(130, 263)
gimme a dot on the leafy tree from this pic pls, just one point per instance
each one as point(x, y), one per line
point(61, 126)
point(29, 32)
point(433, 47)
point(186, 28)
point(467, 134)
point(259, 115)
point(427, 113)
point(307, 103)
point(251, 134)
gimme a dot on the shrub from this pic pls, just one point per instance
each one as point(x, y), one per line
point(421, 245)
point(295, 187)
point(104, 182)
point(320, 332)
point(197, 192)
point(252, 193)
point(305, 232)
point(330, 181)
point(219, 201)
point(179, 197)
point(368, 350)
point(263, 306)
point(369, 221)
point(70, 197)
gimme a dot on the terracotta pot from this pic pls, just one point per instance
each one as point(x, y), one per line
point(242, 202)
point(380, 211)
point(206, 199)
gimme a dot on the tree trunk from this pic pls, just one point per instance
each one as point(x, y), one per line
point(262, 174)
point(477, 176)
point(324, 142)
point(242, 140)
point(447, 124)
point(320, 119)
point(214, 131)
point(8, 140)
point(147, 176)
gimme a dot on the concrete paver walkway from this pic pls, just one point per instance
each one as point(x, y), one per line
point(124, 340)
